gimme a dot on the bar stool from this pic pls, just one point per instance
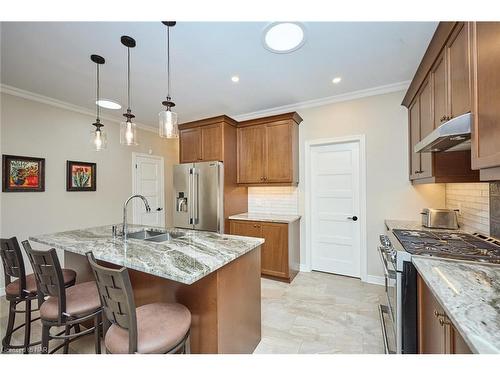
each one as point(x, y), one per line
point(22, 289)
point(64, 307)
point(153, 328)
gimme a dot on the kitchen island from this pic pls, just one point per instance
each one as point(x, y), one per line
point(216, 276)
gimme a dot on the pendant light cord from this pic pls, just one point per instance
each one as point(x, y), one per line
point(128, 77)
point(97, 96)
point(168, 61)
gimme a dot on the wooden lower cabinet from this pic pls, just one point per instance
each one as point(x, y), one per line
point(436, 333)
point(280, 253)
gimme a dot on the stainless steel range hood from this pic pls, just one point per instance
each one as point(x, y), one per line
point(453, 135)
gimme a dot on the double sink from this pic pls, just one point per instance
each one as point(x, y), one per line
point(156, 235)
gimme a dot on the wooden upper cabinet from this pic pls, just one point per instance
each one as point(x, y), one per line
point(414, 135)
point(190, 145)
point(426, 126)
point(251, 154)
point(203, 140)
point(279, 144)
point(211, 142)
point(268, 150)
point(439, 112)
point(459, 82)
point(485, 53)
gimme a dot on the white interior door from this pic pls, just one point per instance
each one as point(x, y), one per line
point(335, 205)
point(148, 181)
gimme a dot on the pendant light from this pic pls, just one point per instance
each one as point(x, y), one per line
point(128, 131)
point(167, 118)
point(98, 136)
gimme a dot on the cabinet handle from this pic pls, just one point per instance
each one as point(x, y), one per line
point(438, 314)
point(444, 321)
point(262, 178)
point(265, 178)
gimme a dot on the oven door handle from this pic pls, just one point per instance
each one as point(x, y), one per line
point(390, 274)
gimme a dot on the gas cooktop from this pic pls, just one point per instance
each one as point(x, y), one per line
point(450, 245)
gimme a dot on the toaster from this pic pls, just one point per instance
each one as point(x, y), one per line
point(439, 218)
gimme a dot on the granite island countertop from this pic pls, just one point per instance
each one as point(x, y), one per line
point(273, 218)
point(185, 259)
point(470, 295)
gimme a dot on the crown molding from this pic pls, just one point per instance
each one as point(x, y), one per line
point(14, 91)
point(379, 90)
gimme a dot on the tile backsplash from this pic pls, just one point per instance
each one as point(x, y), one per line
point(273, 200)
point(473, 201)
point(495, 209)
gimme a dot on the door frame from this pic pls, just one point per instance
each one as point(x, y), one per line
point(361, 140)
point(135, 155)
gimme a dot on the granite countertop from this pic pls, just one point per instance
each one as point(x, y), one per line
point(273, 218)
point(470, 296)
point(186, 259)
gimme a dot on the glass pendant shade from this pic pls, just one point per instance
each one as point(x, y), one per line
point(128, 133)
point(99, 139)
point(168, 124)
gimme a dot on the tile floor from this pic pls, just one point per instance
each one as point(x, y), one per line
point(316, 313)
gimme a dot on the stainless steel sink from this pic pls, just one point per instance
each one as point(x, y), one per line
point(145, 234)
point(156, 235)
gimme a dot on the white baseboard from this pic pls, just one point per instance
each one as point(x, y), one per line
point(304, 268)
point(371, 279)
point(2, 291)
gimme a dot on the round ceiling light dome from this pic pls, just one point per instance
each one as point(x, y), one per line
point(109, 104)
point(284, 37)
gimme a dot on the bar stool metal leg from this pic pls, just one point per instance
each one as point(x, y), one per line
point(27, 327)
point(10, 326)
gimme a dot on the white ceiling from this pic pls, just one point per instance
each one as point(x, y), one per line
point(52, 59)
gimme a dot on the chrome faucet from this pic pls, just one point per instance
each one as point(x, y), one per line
point(125, 226)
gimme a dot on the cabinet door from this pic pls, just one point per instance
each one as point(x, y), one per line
point(245, 228)
point(439, 97)
point(426, 126)
point(432, 335)
point(190, 145)
point(211, 142)
point(486, 94)
point(414, 138)
point(251, 141)
point(458, 71)
point(274, 258)
point(278, 153)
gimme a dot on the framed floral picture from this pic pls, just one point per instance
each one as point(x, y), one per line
point(80, 176)
point(22, 174)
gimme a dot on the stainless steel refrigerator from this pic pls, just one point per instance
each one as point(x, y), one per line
point(199, 195)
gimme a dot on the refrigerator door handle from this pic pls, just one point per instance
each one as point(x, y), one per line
point(197, 194)
point(190, 195)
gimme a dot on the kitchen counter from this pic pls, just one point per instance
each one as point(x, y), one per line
point(273, 218)
point(470, 296)
point(217, 277)
point(185, 260)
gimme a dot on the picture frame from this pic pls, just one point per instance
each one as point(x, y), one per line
point(81, 176)
point(22, 174)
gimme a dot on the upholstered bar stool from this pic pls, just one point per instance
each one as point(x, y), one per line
point(22, 289)
point(65, 308)
point(153, 328)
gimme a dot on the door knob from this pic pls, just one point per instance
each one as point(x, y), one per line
point(159, 209)
point(353, 218)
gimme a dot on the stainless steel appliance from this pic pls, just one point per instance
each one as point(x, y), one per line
point(439, 218)
point(453, 135)
point(198, 196)
point(401, 288)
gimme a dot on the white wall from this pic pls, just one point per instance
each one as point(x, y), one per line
point(34, 129)
point(390, 195)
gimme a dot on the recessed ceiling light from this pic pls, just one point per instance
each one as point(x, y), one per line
point(284, 37)
point(336, 80)
point(235, 79)
point(109, 104)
